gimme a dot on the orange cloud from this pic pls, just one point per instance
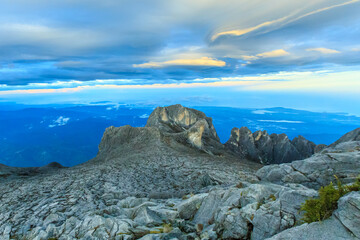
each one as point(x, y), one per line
point(241, 32)
point(204, 61)
point(277, 22)
point(275, 53)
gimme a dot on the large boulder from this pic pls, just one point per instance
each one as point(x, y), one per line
point(188, 208)
point(318, 170)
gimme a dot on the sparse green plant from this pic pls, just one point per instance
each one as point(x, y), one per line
point(272, 197)
point(260, 203)
point(321, 208)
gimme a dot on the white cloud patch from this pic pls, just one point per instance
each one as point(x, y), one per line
point(262, 111)
point(322, 50)
point(281, 121)
point(60, 121)
point(144, 116)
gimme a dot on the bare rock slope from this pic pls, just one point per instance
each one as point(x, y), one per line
point(174, 180)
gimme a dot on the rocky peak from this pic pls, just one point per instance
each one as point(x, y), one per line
point(304, 146)
point(187, 126)
point(354, 135)
point(264, 148)
point(176, 118)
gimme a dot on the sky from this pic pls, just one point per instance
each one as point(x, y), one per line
point(240, 53)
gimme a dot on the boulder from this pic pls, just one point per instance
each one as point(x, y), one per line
point(188, 208)
point(318, 170)
point(348, 212)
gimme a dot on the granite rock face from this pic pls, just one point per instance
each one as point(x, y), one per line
point(187, 126)
point(268, 149)
point(348, 137)
point(342, 161)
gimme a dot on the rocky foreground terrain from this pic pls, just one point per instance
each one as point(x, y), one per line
point(173, 179)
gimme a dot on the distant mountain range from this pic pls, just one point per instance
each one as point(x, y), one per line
point(36, 136)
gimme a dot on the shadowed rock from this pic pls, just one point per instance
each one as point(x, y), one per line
point(320, 147)
point(320, 169)
point(268, 149)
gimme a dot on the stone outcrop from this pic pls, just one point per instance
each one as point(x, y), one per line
point(318, 170)
point(187, 126)
point(348, 137)
point(268, 149)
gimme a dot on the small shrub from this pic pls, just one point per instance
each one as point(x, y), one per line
point(272, 197)
point(322, 208)
point(260, 203)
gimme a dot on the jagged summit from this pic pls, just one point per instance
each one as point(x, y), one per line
point(176, 118)
point(264, 148)
point(187, 126)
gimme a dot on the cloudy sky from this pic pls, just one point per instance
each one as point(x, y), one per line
point(209, 51)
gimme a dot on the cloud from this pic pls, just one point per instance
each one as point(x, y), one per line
point(47, 36)
point(199, 62)
point(331, 82)
point(247, 30)
point(281, 121)
point(170, 41)
point(323, 81)
point(274, 53)
point(70, 64)
point(60, 121)
point(322, 50)
point(262, 112)
point(270, 54)
point(292, 17)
